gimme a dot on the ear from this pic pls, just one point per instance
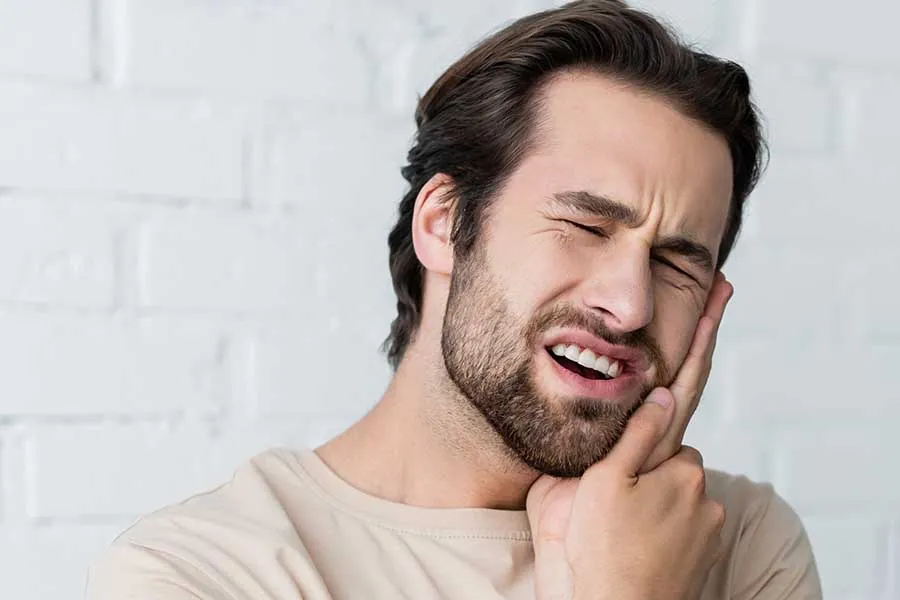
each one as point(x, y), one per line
point(432, 224)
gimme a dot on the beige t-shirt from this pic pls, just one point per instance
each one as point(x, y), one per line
point(287, 527)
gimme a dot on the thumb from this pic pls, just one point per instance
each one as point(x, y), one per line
point(549, 507)
point(644, 431)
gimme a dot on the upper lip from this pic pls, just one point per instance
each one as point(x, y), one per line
point(631, 359)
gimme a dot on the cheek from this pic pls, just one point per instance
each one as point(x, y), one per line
point(675, 319)
point(535, 274)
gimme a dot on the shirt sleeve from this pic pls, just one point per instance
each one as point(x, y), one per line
point(775, 560)
point(130, 572)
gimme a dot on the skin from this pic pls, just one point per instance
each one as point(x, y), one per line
point(431, 440)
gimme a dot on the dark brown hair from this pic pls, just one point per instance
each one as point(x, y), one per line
point(476, 121)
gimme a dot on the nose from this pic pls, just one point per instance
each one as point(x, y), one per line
point(620, 287)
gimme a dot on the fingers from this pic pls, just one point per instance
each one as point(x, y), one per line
point(536, 496)
point(719, 295)
point(643, 433)
point(694, 372)
point(549, 511)
point(695, 368)
point(691, 455)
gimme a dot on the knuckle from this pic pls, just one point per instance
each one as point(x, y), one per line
point(690, 472)
point(717, 514)
point(695, 478)
point(692, 454)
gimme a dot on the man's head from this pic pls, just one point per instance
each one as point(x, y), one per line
point(576, 181)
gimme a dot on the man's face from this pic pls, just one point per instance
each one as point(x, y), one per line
point(599, 251)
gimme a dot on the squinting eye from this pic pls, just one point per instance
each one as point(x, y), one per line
point(592, 230)
point(666, 263)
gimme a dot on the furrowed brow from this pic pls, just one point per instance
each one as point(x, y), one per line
point(689, 249)
point(591, 204)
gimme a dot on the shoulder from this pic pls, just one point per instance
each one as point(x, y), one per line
point(767, 551)
point(194, 548)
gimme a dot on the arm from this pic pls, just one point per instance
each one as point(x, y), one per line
point(775, 560)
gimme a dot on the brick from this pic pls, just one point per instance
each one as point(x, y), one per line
point(6, 483)
point(301, 366)
point(801, 110)
point(698, 21)
point(782, 291)
point(229, 262)
point(802, 272)
point(28, 557)
point(878, 132)
point(56, 253)
point(798, 382)
point(443, 37)
point(95, 140)
point(414, 60)
point(728, 448)
point(84, 365)
point(106, 470)
point(894, 559)
point(861, 572)
point(821, 200)
point(293, 50)
point(876, 299)
point(37, 46)
point(12, 477)
point(416, 41)
point(829, 467)
point(345, 218)
point(336, 164)
point(863, 34)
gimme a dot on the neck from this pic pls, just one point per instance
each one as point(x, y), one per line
point(425, 444)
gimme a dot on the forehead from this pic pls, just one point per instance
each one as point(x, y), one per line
point(611, 139)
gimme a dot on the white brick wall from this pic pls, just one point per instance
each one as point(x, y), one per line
point(194, 202)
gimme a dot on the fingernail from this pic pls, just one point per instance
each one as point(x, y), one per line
point(660, 396)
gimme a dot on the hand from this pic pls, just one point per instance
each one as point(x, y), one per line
point(638, 524)
point(694, 372)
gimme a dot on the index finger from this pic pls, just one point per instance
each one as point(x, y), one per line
point(696, 365)
point(694, 371)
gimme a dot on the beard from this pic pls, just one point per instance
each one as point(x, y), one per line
point(489, 355)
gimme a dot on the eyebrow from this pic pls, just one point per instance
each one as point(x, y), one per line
point(600, 206)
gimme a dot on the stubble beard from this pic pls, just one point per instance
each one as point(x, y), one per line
point(489, 356)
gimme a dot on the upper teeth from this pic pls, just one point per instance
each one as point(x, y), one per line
point(586, 358)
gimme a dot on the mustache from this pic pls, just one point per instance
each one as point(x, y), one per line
point(564, 315)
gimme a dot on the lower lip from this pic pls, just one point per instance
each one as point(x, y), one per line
point(607, 389)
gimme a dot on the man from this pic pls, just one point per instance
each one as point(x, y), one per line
point(576, 185)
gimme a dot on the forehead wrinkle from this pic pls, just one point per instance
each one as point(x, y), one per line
point(686, 246)
point(587, 203)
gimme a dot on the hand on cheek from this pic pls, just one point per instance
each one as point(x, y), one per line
point(688, 385)
point(644, 504)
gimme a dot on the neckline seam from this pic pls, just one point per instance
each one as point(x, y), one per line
point(516, 535)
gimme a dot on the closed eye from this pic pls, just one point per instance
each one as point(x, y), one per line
point(592, 230)
point(672, 266)
point(601, 233)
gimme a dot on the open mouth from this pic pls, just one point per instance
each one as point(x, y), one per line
point(584, 363)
